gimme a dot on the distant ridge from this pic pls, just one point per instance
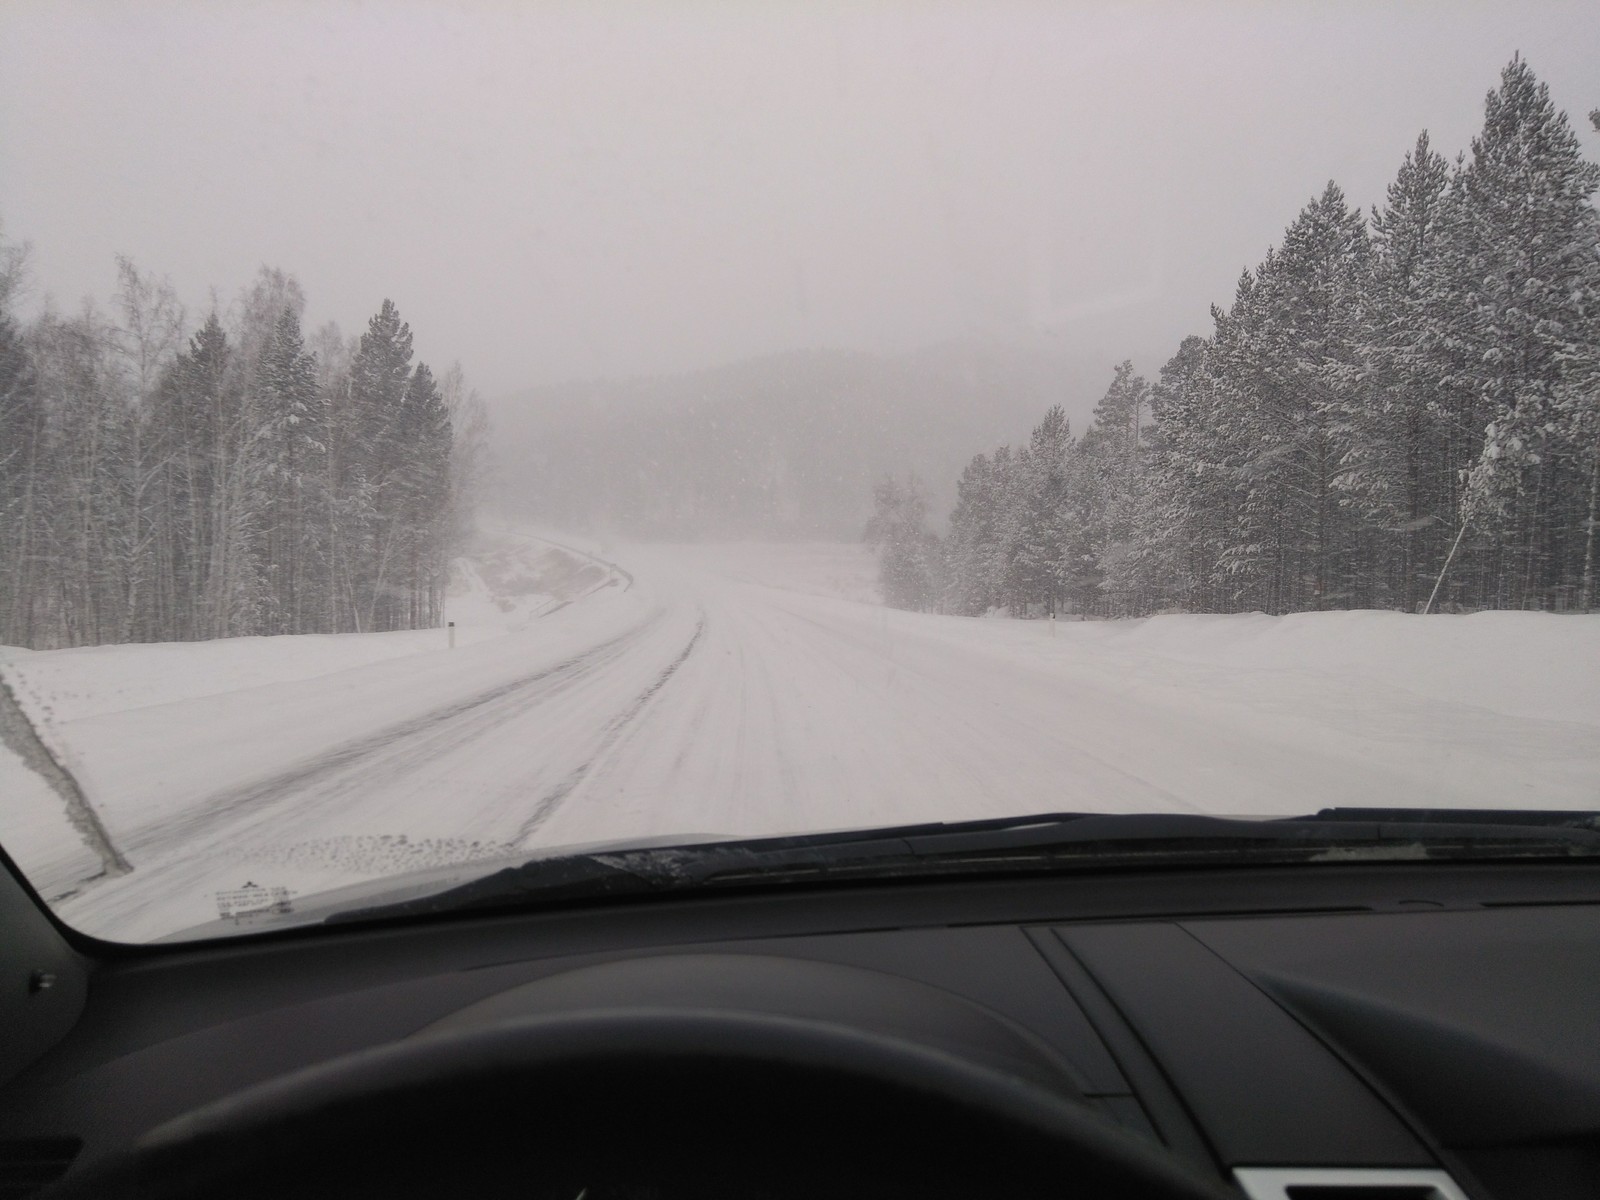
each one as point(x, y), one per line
point(787, 445)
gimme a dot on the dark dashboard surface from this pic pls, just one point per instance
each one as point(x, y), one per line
point(1406, 1016)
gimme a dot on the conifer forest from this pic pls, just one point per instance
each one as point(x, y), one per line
point(1397, 409)
point(162, 479)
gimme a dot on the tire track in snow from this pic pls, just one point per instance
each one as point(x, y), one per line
point(612, 733)
point(469, 716)
point(1065, 742)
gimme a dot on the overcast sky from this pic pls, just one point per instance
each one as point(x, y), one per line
point(552, 191)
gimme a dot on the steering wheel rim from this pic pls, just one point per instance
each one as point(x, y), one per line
point(610, 1101)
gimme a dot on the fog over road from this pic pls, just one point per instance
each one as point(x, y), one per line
point(695, 699)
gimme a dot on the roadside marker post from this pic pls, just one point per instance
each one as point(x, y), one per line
point(451, 626)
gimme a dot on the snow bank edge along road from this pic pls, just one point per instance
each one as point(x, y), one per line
point(1526, 664)
point(181, 719)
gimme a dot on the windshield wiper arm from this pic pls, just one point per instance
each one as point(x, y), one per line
point(1049, 842)
point(1543, 818)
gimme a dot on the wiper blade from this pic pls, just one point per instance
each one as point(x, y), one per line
point(1049, 842)
point(1544, 818)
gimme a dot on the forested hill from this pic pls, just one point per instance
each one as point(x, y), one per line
point(782, 446)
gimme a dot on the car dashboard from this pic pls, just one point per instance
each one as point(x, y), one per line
point(1378, 1031)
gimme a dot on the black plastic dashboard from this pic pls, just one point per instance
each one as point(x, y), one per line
point(1401, 1017)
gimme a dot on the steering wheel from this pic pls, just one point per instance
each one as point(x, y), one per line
point(645, 1104)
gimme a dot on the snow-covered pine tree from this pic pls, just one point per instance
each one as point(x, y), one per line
point(1111, 465)
point(1288, 352)
point(374, 454)
point(424, 497)
point(973, 548)
point(1234, 445)
point(1188, 499)
point(1325, 270)
point(293, 529)
point(908, 554)
point(1044, 555)
point(1513, 310)
point(203, 444)
point(1400, 454)
point(1012, 473)
point(23, 494)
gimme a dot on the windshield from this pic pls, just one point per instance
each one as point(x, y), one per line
point(435, 436)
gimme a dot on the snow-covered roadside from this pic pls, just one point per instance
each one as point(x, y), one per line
point(34, 824)
point(504, 584)
point(1540, 666)
point(147, 729)
point(1544, 666)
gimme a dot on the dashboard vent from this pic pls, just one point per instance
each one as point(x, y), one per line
point(28, 1165)
point(1346, 1183)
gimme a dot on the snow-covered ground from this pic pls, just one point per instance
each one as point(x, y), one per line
point(154, 730)
point(749, 689)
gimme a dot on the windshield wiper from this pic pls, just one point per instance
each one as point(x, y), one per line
point(1543, 818)
point(1050, 842)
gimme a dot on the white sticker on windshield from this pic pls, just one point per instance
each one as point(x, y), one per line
point(253, 899)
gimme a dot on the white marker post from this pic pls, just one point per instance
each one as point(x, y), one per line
point(451, 626)
point(1052, 623)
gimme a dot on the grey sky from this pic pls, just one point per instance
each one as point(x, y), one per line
point(551, 191)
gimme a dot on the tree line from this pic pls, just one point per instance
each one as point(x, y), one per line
point(1396, 411)
point(161, 481)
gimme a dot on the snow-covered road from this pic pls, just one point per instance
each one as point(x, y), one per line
point(715, 695)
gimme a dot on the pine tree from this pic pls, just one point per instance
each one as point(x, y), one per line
point(973, 548)
point(1512, 317)
point(23, 484)
point(1112, 463)
point(1288, 358)
point(372, 488)
point(1046, 549)
point(294, 416)
point(424, 495)
point(907, 551)
point(204, 445)
point(1190, 496)
point(1400, 454)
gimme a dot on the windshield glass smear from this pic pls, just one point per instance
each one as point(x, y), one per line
point(687, 446)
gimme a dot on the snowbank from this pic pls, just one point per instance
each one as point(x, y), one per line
point(1543, 666)
point(505, 583)
point(147, 728)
